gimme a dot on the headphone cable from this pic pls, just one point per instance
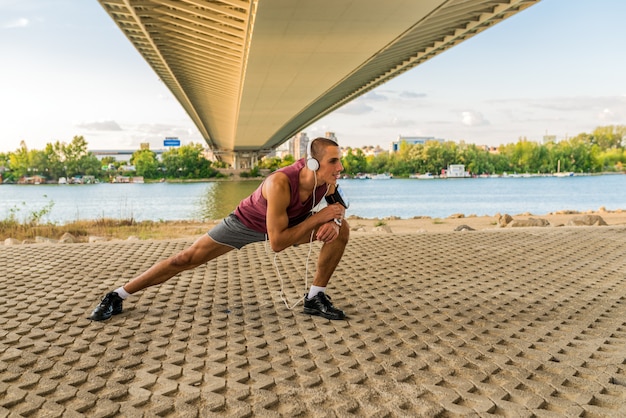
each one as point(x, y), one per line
point(283, 296)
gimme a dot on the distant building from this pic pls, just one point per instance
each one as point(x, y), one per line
point(331, 136)
point(372, 151)
point(128, 179)
point(456, 171)
point(281, 151)
point(489, 148)
point(298, 145)
point(366, 150)
point(36, 179)
point(548, 138)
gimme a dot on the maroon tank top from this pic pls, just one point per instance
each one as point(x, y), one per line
point(252, 211)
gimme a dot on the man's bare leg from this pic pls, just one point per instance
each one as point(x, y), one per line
point(200, 252)
point(317, 303)
point(330, 256)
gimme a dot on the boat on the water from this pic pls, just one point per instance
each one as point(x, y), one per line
point(425, 176)
point(382, 176)
point(564, 174)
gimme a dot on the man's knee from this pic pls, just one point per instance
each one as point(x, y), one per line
point(344, 232)
point(184, 259)
point(202, 251)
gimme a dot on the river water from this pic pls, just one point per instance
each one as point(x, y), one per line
point(404, 198)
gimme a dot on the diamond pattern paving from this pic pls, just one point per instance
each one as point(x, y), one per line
point(516, 323)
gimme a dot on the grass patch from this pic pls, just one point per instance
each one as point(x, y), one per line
point(107, 228)
point(27, 226)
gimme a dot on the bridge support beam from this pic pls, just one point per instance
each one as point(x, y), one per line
point(246, 160)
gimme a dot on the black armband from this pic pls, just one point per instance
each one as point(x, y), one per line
point(338, 197)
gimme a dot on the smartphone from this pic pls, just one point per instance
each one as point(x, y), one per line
point(338, 197)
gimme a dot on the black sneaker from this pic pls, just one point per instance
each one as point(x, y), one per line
point(110, 305)
point(321, 305)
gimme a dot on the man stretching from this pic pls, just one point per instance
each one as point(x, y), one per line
point(279, 210)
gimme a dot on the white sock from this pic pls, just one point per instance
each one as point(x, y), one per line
point(315, 290)
point(122, 293)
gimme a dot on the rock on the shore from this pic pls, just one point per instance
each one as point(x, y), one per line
point(382, 228)
point(504, 220)
point(530, 222)
point(67, 238)
point(587, 220)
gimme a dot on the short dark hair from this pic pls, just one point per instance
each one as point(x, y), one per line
point(318, 143)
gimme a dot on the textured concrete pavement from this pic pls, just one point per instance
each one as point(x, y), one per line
point(528, 322)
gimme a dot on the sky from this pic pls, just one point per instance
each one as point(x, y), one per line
point(557, 68)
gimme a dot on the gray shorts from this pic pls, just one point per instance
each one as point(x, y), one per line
point(232, 232)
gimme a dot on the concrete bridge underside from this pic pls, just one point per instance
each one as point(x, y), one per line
point(253, 73)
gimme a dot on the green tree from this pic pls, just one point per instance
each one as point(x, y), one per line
point(146, 164)
point(540, 159)
point(270, 163)
point(438, 156)
point(55, 160)
point(354, 161)
point(109, 160)
point(378, 164)
point(288, 160)
point(74, 155)
point(89, 165)
point(188, 162)
point(20, 161)
point(476, 160)
point(607, 137)
point(172, 163)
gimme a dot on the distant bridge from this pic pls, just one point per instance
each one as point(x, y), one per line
point(253, 73)
point(120, 154)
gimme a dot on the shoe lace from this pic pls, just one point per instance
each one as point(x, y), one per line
point(108, 299)
point(325, 299)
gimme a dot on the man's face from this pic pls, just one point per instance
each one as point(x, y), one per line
point(330, 165)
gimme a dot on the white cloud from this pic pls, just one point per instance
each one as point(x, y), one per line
point(473, 118)
point(160, 130)
point(356, 107)
point(107, 125)
point(606, 115)
point(21, 22)
point(374, 97)
point(393, 123)
point(411, 95)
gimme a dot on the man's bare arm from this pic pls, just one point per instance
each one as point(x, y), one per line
point(277, 192)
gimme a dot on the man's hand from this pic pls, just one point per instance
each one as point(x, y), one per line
point(327, 232)
point(334, 211)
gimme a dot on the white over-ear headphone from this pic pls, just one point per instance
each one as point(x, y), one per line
point(311, 163)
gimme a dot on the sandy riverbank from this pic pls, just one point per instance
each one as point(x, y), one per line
point(427, 224)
